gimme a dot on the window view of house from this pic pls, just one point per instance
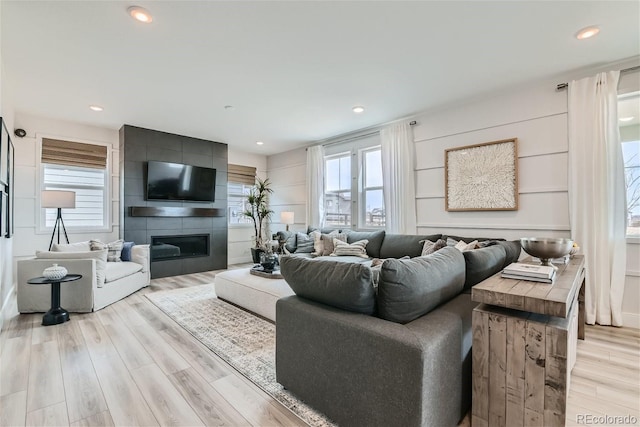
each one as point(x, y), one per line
point(91, 192)
point(628, 112)
point(337, 202)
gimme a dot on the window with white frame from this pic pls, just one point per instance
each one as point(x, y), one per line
point(629, 122)
point(240, 181)
point(353, 196)
point(90, 186)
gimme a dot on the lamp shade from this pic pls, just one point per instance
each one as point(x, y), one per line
point(286, 218)
point(58, 199)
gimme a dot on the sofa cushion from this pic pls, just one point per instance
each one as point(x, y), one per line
point(408, 289)
point(399, 245)
point(513, 250)
point(99, 256)
point(304, 243)
point(71, 247)
point(375, 239)
point(348, 286)
point(118, 270)
point(289, 239)
point(482, 263)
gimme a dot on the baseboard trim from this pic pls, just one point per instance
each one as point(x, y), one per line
point(631, 320)
point(9, 307)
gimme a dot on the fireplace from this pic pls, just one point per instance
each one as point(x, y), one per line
point(177, 247)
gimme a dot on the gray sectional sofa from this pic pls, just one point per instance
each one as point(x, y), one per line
point(398, 354)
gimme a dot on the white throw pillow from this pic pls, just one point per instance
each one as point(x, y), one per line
point(114, 248)
point(99, 256)
point(71, 247)
point(462, 246)
point(140, 254)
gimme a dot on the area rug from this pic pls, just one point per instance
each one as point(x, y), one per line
point(244, 341)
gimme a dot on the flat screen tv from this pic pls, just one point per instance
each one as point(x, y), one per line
point(175, 181)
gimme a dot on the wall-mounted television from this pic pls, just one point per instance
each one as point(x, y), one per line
point(175, 181)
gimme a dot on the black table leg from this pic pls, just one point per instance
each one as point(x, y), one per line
point(56, 314)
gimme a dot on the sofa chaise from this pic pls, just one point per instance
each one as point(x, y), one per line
point(395, 355)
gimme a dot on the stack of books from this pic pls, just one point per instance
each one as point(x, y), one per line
point(532, 272)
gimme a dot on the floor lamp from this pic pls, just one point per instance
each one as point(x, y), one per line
point(59, 200)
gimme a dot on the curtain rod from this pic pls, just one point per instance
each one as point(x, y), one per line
point(626, 70)
point(364, 135)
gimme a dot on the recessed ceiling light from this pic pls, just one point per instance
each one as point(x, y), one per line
point(358, 109)
point(259, 142)
point(587, 32)
point(95, 108)
point(626, 119)
point(140, 14)
point(229, 107)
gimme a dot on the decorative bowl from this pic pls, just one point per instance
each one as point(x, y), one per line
point(55, 272)
point(546, 248)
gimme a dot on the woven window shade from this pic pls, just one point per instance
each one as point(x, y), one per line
point(241, 174)
point(74, 154)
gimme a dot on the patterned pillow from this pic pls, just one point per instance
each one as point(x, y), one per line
point(430, 247)
point(327, 242)
point(114, 249)
point(354, 249)
point(463, 246)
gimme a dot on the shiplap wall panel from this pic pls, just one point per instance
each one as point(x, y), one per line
point(546, 173)
point(543, 209)
point(290, 175)
point(532, 101)
point(289, 194)
point(25, 181)
point(492, 231)
point(536, 136)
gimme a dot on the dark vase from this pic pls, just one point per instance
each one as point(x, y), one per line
point(268, 261)
point(255, 254)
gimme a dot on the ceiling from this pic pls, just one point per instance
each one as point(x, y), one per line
point(291, 70)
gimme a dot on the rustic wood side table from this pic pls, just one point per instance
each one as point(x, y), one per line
point(524, 347)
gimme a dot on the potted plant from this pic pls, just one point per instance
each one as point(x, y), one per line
point(258, 211)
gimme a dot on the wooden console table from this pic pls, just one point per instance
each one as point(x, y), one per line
point(524, 347)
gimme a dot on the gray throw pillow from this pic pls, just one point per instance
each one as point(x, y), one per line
point(348, 286)
point(408, 289)
point(289, 239)
point(304, 244)
point(375, 239)
point(430, 247)
point(327, 242)
point(482, 263)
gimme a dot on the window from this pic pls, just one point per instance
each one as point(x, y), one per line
point(236, 197)
point(628, 112)
point(81, 168)
point(89, 184)
point(353, 185)
point(240, 181)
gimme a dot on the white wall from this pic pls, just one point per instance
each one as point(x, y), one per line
point(536, 114)
point(240, 236)
point(28, 239)
point(7, 284)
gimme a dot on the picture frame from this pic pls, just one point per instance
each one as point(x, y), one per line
point(10, 192)
point(4, 217)
point(482, 177)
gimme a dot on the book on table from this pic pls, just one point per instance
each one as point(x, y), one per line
point(530, 278)
point(530, 270)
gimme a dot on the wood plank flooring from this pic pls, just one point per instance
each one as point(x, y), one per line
point(129, 364)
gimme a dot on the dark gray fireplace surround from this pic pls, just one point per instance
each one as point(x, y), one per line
point(141, 221)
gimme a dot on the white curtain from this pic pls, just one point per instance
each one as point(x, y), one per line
point(398, 170)
point(597, 199)
point(315, 186)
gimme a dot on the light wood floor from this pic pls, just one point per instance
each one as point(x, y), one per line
point(129, 364)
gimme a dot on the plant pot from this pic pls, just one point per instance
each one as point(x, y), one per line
point(255, 254)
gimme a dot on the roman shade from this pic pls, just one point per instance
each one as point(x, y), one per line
point(69, 153)
point(241, 174)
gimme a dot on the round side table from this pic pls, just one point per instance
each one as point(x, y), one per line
point(56, 314)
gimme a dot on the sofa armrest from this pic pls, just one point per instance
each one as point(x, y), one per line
point(76, 296)
point(362, 370)
point(141, 254)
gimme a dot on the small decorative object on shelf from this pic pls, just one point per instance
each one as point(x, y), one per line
point(55, 272)
point(268, 261)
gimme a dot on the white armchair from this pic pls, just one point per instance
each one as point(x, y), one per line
point(102, 282)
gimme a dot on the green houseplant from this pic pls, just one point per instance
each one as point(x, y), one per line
point(257, 209)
